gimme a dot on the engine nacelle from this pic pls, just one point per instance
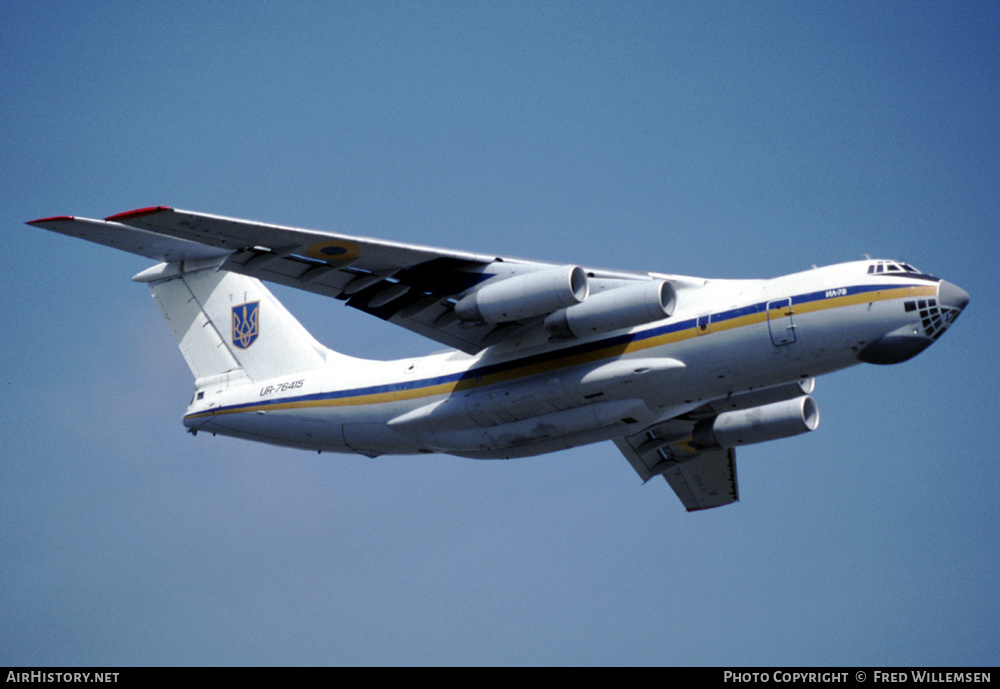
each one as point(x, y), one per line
point(758, 424)
point(525, 296)
point(757, 398)
point(623, 307)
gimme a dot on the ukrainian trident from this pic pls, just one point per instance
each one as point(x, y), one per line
point(246, 324)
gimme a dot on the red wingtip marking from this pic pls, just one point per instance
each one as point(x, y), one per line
point(54, 218)
point(137, 213)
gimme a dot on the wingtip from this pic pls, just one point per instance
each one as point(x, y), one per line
point(137, 213)
point(54, 218)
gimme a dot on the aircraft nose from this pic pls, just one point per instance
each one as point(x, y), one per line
point(908, 341)
point(952, 295)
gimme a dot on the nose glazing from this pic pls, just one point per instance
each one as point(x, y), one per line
point(934, 317)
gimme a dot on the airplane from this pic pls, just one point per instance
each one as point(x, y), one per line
point(677, 371)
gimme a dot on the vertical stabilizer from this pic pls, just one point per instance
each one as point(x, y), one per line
point(227, 323)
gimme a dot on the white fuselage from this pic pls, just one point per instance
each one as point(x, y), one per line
point(725, 337)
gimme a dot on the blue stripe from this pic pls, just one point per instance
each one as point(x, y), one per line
point(619, 341)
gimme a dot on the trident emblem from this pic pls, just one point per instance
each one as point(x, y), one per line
point(246, 324)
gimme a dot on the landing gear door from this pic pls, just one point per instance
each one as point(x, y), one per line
point(779, 322)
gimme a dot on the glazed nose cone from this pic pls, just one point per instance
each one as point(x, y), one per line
point(910, 340)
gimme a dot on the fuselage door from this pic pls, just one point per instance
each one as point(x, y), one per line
point(779, 322)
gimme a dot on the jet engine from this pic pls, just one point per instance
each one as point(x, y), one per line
point(757, 398)
point(758, 424)
point(523, 296)
point(623, 307)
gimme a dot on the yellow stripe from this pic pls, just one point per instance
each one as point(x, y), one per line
point(584, 357)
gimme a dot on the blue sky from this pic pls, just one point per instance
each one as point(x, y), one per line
point(719, 139)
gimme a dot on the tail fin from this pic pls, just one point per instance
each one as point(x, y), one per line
point(230, 324)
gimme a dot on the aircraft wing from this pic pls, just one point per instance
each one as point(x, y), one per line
point(413, 286)
point(701, 478)
point(149, 244)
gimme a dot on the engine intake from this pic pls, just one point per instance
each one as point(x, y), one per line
point(525, 296)
point(623, 307)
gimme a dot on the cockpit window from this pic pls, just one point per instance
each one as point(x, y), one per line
point(877, 267)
